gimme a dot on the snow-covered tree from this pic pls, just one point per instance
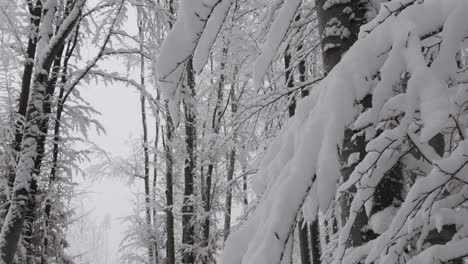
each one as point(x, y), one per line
point(46, 122)
point(408, 61)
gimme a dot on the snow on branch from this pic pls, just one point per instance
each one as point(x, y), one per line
point(208, 37)
point(275, 37)
point(416, 94)
point(181, 43)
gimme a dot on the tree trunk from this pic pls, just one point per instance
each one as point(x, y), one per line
point(188, 217)
point(55, 148)
point(170, 242)
point(29, 154)
point(230, 173)
point(304, 242)
point(227, 213)
point(170, 239)
point(33, 205)
point(333, 48)
point(314, 229)
point(245, 198)
point(153, 191)
point(36, 14)
point(146, 176)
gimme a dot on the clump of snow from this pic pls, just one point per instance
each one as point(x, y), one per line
point(380, 221)
point(330, 3)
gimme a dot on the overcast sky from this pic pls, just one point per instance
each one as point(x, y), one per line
point(109, 197)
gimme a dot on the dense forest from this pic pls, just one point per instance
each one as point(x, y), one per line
point(281, 131)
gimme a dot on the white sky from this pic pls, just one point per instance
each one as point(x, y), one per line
point(108, 197)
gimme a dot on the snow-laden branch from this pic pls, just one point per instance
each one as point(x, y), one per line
point(308, 142)
point(181, 43)
point(275, 37)
point(208, 37)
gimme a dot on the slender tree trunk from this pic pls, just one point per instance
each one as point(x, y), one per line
point(232, 153)
point(146, 171)
point(35, 11)
point(289, 80)
point(36, 14)
point(314, 229)
point(147, 179)
point(304, 242)
point(215, 125)
point(146, 176)
point(245, 198)
point(231, 169)
point(170, 242)
point(230, 174)
point(188, 217)
point(55, 148)
point(153, 191)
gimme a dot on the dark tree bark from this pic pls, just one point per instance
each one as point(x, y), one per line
point(35, 11)
point(31, 246)
point(146, 176)
point(333, 48)
point(188, 216)
point(314, 229)
point(304, 242)
point(55, 149)
point(167, 142)
point(30, 149)
point(36, 14)
point(215, 125)
point(245, 199)
point(230, 173)
point(289, 79)
point(153, 191)
point(170, 239)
